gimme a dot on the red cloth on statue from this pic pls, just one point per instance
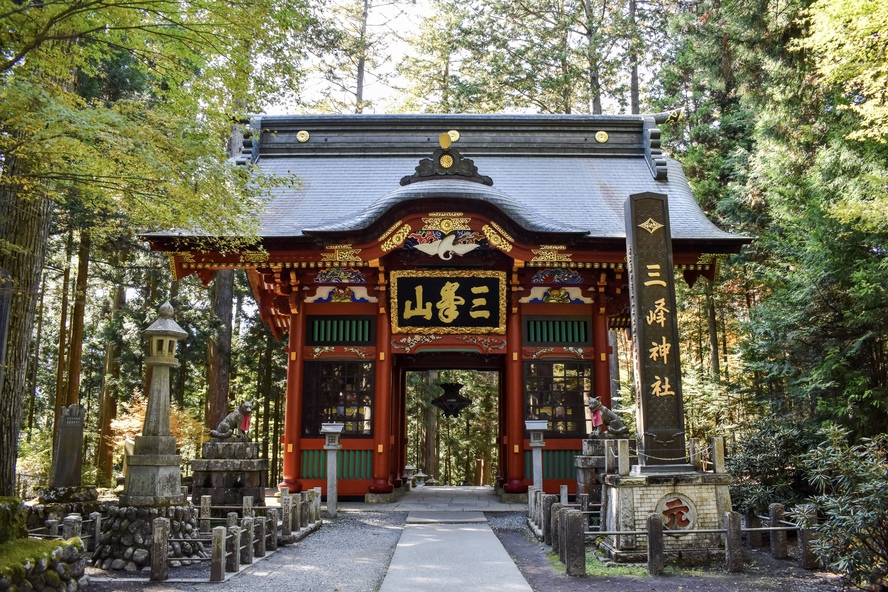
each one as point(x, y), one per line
point(245, 423)
point(596, 418)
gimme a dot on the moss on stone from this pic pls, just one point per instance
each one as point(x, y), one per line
point(15, 554)
point(12, 519)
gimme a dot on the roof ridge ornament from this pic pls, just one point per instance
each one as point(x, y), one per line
point(446, 161)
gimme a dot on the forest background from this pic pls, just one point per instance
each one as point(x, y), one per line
point(116, 118)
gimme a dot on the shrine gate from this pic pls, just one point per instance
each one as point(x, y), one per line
point(492, 242)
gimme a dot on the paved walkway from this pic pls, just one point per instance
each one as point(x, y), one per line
point(447, 545)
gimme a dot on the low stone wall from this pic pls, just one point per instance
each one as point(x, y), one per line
point(127, 536)
point(62, 570)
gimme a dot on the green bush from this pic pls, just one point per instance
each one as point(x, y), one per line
point(852, 487)
point(766, 464)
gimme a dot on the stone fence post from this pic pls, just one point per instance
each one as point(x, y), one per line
point(248, 534)
point(217, 555)
point(272, 529)
point(72, 525)
point(96, 518)
point(574, 542)
point(205, 512)
point(655, 547)
point(232, 554)
point(160, 569)
point(778, 537)
point(733, 549)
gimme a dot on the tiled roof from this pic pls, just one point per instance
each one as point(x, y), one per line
point(563, 173)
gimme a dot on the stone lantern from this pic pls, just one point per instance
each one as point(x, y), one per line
point(154, 476)
point(332, 432)
point(536, 427)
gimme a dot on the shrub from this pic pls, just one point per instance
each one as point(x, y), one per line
point(852, 488)
point(767, 464)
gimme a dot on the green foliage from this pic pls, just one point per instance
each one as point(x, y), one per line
point(852, 488)
point(766, 463)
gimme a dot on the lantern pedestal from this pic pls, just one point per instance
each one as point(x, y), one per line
point(154, 477)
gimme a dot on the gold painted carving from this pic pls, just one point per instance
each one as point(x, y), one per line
point(385, 234)
point(651, 225)
point(550, 255)
point(446, 160)
point(341, 253)
point(454, 135)
point(553, 247)
point(253, 257)
point(172, 259)
point(446, 214)
point(446, 225)
point(302, 136)
point(397, 239)
point(495, 240)
point(601, 137)
point(505, 234)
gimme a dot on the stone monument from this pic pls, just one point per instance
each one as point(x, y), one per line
point(661, 481)
point(230, 468)
point(154, 477)
point(68, 448)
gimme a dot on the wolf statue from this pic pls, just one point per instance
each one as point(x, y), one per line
point(602, 417)
point(236, 424)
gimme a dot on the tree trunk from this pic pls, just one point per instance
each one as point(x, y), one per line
point(219, 349)
point(60, 396)
point(35, 358)
point(362, 60)
point(712, 325)
point(634, 101)
point(431, 442)
point(110, 382)
point(75, 357)
point(24, 226)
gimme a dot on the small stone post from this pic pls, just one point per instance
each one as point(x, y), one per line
point(232, 556)
point(286, 509)
point(272, 529)
point(574, 542)
point(232, 519)
point(623, 457)
point(718, 455)
point(259, 524)
point(217, 555)
point(160, 569)
point(205, 512)
point(546, 512)
point(52, 528)
point(248, 535)
point(753, 539)
point(331, 432)
point(778, 537)
point(96, 518)
point(695, 450)
point(807, 558)
point(554, 526)
point(733, 547)
point(72, 526)
point(564, 497)
point(655, 546)
point(531, 491)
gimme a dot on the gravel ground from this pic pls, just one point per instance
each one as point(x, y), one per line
point(352, 552)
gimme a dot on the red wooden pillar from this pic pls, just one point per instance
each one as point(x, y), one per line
point(293, 418)
point(601, 344)
point(382, 412)
point(399, 428)
point(514, 438)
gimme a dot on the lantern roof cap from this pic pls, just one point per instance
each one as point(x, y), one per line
point(165, 325)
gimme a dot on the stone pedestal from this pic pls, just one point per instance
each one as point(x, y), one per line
point(229, 471)
point(685, 501)
point(154, 478)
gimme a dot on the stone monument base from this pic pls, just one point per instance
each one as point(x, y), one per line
point(229, 471)
point(687, 500)
point(125, 543)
